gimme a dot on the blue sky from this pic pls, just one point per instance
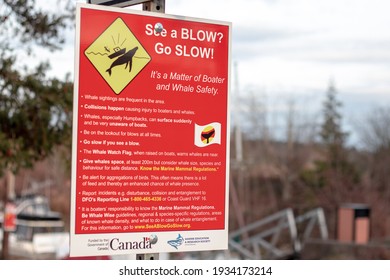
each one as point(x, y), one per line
point(291, 49)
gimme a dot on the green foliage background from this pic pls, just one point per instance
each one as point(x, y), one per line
point(35, 109)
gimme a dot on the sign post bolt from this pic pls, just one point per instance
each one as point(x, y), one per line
point(158, 27)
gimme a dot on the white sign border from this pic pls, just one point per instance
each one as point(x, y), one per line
point(78, 242)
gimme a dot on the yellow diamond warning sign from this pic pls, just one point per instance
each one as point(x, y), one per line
point(117, 55)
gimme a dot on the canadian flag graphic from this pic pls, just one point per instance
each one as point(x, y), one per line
point(207, 134)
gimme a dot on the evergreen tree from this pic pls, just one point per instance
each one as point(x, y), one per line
point(332, 135)
point(35, 110)
point(334, 174)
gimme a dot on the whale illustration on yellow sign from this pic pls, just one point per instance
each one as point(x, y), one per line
point(117, 55)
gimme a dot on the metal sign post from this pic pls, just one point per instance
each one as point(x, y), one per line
point(157, 6)
point(153, 6)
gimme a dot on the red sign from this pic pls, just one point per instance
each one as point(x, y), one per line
point(10, 217)
point(151, 126)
